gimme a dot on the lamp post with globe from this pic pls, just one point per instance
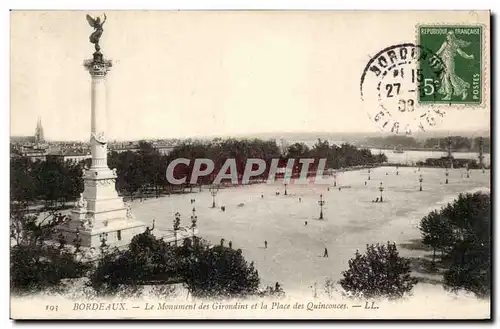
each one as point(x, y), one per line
point(194, 220)
point(213, 191)
point(381, 189)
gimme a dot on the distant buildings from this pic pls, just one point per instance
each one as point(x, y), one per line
point(69, 155)
point(36, 148)
point(163, 147)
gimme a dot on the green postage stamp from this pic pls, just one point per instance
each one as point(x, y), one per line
point(460, 49)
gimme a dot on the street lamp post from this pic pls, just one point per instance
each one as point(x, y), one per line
point(369, 171)
point(213, 191)
point(194, 219)
point(321, 203)
point(286, 193)
point(420, 180)
point(468, 171)
point(177, 225)
point(397, 170)
point(446, 173)
point(381, 189)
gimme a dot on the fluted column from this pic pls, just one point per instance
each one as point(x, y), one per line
point(98, 68)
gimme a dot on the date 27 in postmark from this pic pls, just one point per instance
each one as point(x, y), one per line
point(460, 50)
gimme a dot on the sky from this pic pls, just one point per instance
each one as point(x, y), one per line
point(187, 74)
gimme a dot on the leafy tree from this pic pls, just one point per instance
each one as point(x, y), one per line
point(23, 183)
point(53, 181)
point(35, 265)
point(298, 150)
point(147, 260)
point(32, 229)
point(470, 268)
point(221, 272)
point(437, 232)
point(206, 271)
point(380, 272)
point(470, 257)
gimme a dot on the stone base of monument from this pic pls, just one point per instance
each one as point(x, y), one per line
point(90, 248)
point(116, 234)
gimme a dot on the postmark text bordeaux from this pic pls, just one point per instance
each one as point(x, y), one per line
point(391, 83)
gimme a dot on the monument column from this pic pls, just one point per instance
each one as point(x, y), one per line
point(98, 69)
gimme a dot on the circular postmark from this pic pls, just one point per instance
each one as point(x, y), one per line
point(391, 84)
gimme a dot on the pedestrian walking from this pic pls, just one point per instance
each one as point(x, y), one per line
point(265, 244)
point(326, 253)
point(305, 223)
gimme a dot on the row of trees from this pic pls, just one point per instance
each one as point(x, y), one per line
point(56, 182)
point(146, 168)
point(345, 155)
point(458, 143)
point(53, 181)
point(446, 162)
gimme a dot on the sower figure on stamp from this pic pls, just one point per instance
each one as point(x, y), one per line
point(452, 84)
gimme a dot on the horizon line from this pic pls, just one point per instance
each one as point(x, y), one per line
point(277, 134)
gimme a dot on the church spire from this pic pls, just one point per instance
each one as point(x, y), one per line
point(39, 138)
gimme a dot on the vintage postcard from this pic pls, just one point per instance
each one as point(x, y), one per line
point(250, 165)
